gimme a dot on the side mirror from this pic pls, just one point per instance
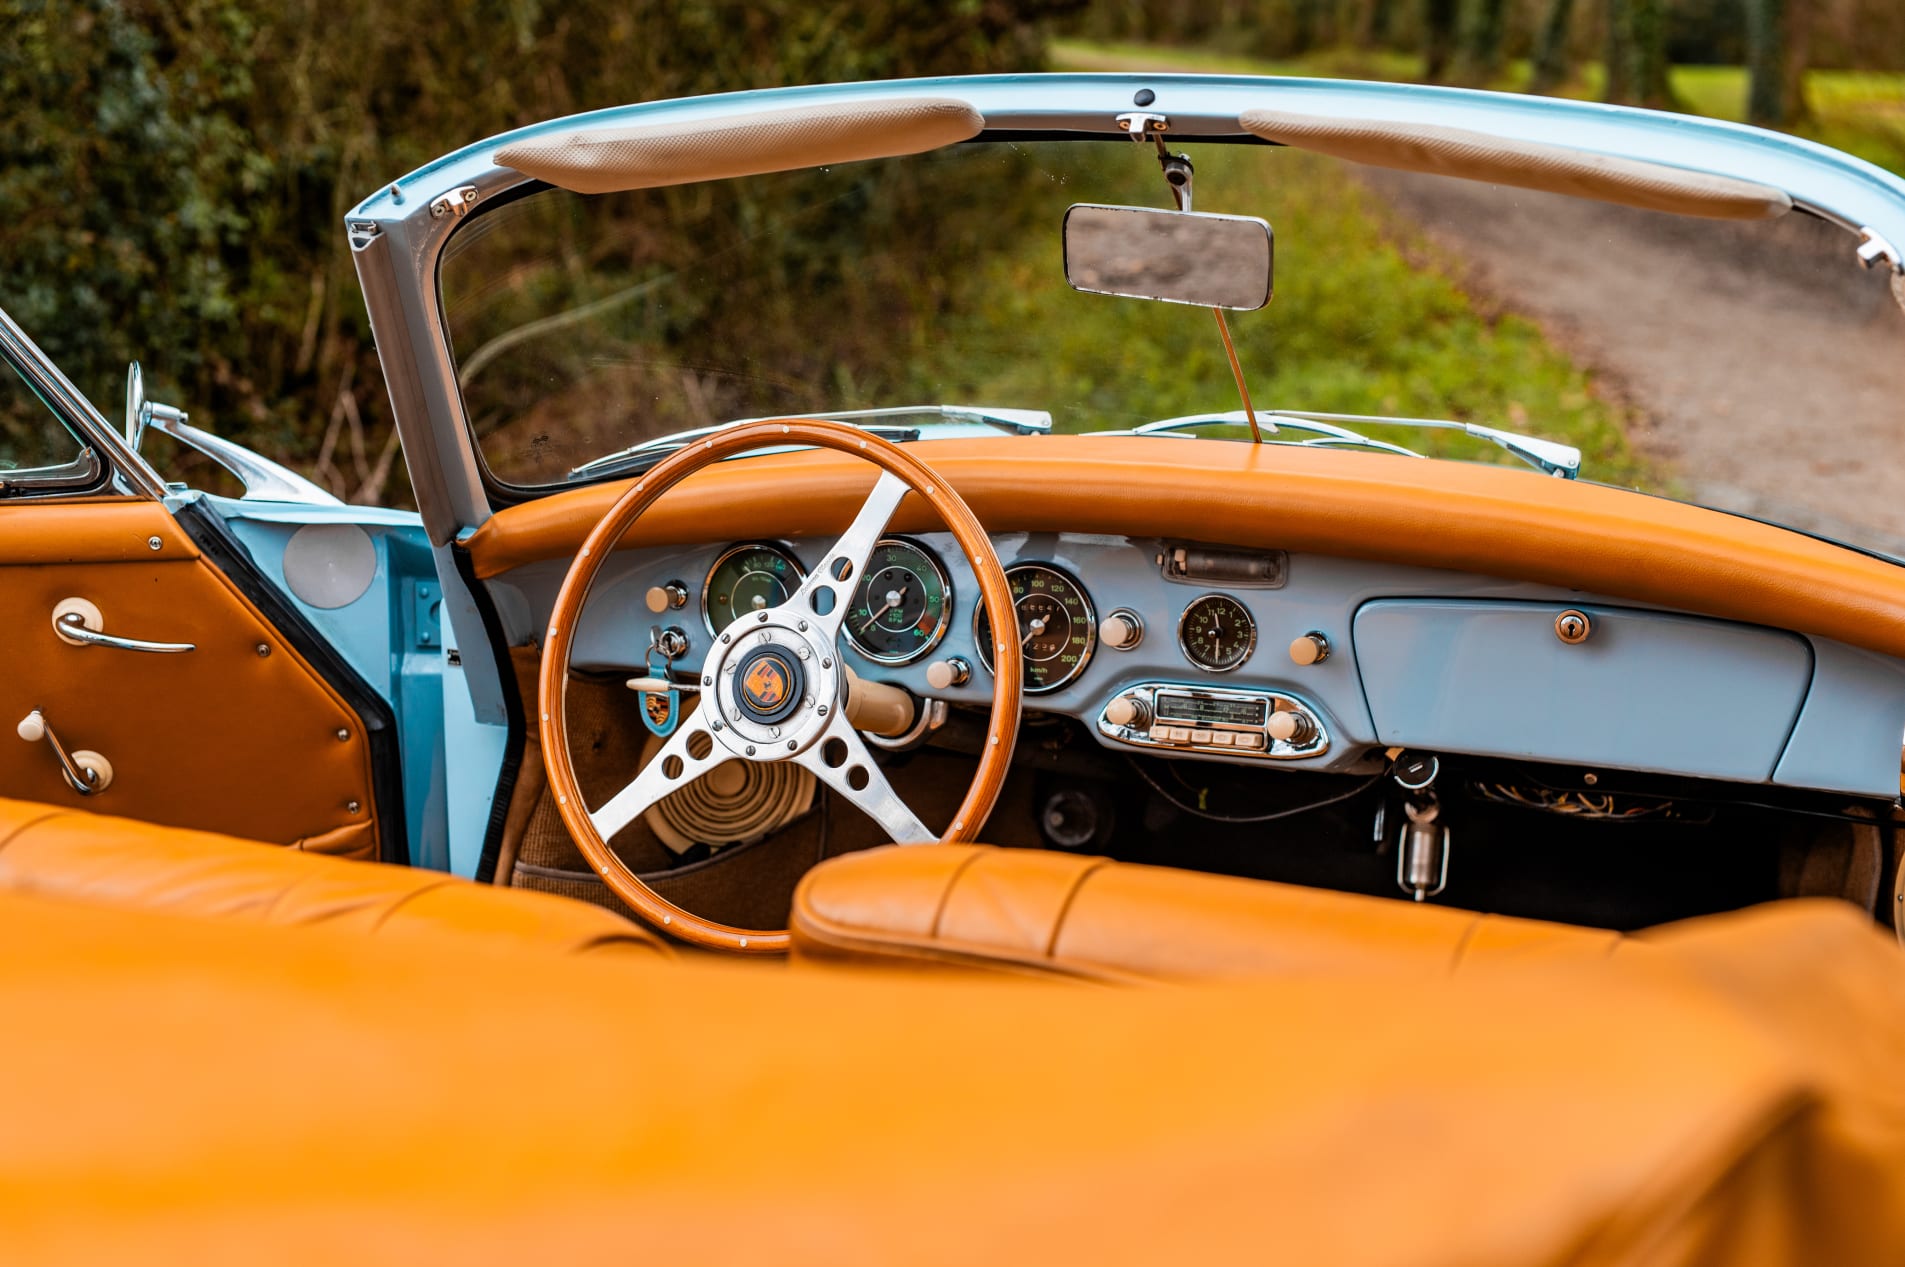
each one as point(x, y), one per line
point(137, 416)
point(140, 412)
point(1179, 257)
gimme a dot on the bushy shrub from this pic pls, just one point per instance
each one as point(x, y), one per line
point(174, 176)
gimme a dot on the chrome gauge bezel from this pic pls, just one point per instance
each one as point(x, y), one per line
point(1250, 644)
point(707, 582)
point(984, 644)
point(945, 612)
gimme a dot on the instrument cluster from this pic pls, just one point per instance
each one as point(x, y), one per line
point(904, 603)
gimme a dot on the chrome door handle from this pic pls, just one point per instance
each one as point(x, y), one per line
point(78, 622)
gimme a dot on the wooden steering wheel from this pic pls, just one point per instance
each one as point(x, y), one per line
point(773, 685)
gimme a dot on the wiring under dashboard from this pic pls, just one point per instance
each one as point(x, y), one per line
point(1197, 811)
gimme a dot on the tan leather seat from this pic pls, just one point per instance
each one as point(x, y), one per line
point(1033, 911)
point(106, 861)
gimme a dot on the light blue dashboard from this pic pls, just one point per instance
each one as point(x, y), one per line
point(1444, 661)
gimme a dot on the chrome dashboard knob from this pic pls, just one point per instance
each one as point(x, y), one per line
point(1122, 629)
point(953, 671)
point(663, 598)
point(1128, 710)
point(1311, 648)
point(1291, 728)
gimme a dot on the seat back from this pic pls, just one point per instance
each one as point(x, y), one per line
point(108, 861)
point(1055, 913)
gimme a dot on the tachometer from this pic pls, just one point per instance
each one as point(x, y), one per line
point(1057, 627)
point(746, 579)
point(902, 605)
point(1217, 633)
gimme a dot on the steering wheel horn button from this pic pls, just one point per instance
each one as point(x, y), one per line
point(769, 684)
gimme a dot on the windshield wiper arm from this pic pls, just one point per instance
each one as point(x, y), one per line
point(1550, 457)
point(1015, 421)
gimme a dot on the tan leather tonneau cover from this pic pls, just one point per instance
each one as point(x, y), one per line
point(1560, 169)
point(174, 1090)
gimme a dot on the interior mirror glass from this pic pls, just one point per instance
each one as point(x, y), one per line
point(1180, 257)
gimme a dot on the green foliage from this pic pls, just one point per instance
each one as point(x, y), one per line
point(1364, 321)
point(173, 176)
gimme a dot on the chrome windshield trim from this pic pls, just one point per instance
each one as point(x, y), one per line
point(1547, 456)
point(47, 382)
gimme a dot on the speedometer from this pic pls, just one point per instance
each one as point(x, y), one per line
point(902, 605)
point(1057, 628)
point(748, 578)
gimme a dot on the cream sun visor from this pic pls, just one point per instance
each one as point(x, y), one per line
point(1443, 151)
point(599, 162)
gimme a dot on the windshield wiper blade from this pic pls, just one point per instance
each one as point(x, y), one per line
point(1015, 421)
point(1550, 457)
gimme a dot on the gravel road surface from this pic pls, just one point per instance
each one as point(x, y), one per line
point(1769, 369)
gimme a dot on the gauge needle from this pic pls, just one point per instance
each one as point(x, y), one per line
point(1033, 630)
point(893, 599)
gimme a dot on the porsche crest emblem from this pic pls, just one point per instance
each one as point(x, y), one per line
point(766, 683)
point(661, 710)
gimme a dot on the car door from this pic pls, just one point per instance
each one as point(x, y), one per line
point(149, 666)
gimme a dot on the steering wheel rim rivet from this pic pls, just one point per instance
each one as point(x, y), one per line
point(823, 710)
point(750, 750)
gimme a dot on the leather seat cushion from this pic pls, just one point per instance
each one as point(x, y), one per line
point(118, 862)
point(1059, 913)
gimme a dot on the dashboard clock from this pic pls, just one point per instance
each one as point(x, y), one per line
point(902, 605)
point(1057, 627)
point(1217, 633)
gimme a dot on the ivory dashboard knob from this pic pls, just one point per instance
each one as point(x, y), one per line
point(1123, 629)
point(1311, 648)
point(1128, 710)
point(953, 671)
point(1289, 727)
point(667, 597)
point(32, 727)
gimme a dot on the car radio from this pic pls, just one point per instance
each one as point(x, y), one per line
point(1222, 722)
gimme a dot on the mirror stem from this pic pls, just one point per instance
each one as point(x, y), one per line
point(1237, 371)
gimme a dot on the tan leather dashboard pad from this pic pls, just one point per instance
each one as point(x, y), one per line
point(241, 735)
point(1494, 520)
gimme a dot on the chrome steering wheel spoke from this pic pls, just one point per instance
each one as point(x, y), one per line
point(841, 760)
point(839, 570)
point(671, 769)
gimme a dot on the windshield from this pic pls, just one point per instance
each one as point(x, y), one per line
point(1695, 359)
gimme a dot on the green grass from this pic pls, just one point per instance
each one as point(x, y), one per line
point(1860, 112)
point(1362, 322)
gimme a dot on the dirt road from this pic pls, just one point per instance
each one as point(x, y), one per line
point(1769, 369)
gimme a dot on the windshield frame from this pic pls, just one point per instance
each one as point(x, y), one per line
point(399, 234)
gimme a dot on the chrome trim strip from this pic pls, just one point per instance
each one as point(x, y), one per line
point(54, 388)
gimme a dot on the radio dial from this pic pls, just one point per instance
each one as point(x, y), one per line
point(1128, 710)
point(1291, 728)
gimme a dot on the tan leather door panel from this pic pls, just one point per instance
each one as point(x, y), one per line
point(240, 735)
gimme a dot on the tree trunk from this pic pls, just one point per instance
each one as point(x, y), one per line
point(1438, 41)
point(1551, 48)
point(1614, 59)
point(1373, 27)
point(1778, 41)
point(1482, 40)
point(1647, 45)
point(1637, 54)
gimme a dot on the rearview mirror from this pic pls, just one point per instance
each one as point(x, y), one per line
point(1180, 257)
